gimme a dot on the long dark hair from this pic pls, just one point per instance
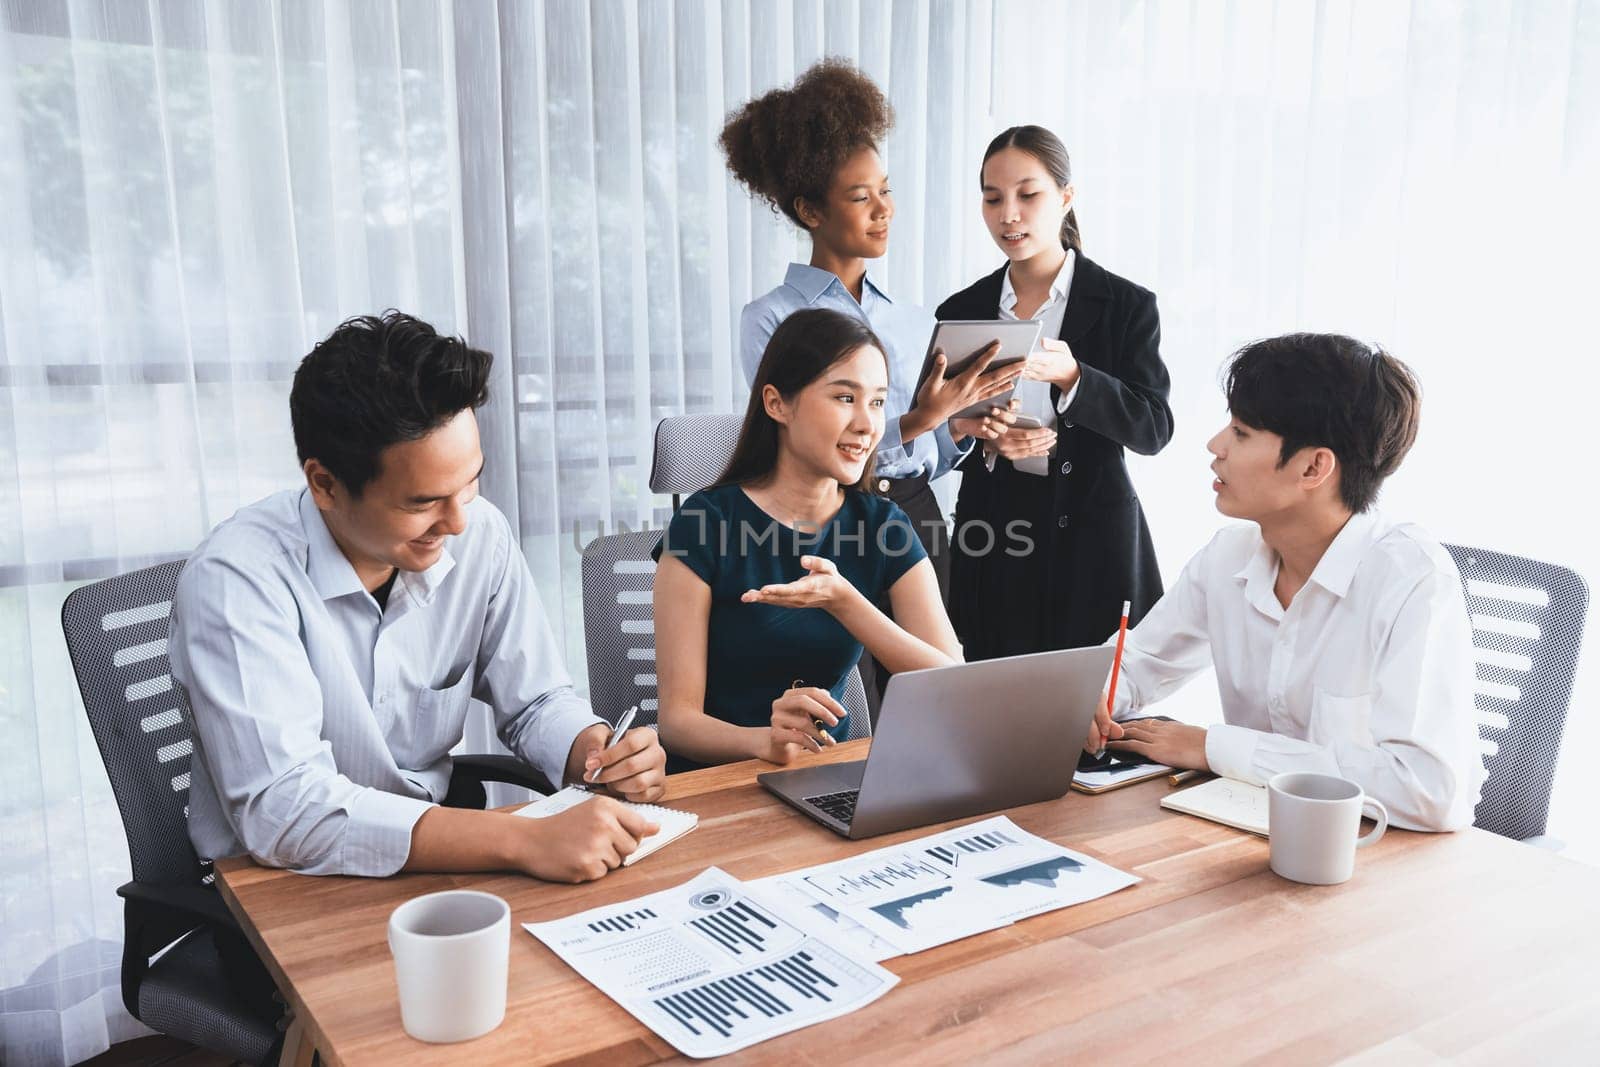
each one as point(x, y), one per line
point(1047, 148)
point(801, 350)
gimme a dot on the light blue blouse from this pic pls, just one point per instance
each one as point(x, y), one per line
point(904, 329)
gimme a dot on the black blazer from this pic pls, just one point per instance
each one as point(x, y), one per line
point(1092, 546)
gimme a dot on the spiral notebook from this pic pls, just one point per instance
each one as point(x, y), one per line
point(674, 823)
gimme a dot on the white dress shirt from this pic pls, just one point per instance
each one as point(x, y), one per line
point(1034, 397)
point(322, 723)
point(1367, 674)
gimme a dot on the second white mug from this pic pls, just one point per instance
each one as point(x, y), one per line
point(1312, 820)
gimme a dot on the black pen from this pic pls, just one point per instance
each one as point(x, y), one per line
point(821, 727)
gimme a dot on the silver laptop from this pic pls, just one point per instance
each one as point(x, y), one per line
point(957, 741)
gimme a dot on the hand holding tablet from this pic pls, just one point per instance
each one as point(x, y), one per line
point(971, 341)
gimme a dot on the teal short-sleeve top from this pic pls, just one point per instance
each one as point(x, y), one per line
point(756, 651)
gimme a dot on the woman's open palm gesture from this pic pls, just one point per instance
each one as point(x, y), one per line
point(822, 587)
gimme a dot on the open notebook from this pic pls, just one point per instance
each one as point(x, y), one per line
point(1224, 800)
point(674, 823)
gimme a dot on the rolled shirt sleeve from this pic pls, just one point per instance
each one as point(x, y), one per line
point(256, 708)
point(521, 673)
point(323, 725)
point(892, 449)
point(947, 452)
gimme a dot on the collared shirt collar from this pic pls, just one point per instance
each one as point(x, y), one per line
point(811, 282)
point(1337, 567)
point(424, 584)
point(330, 572)
point(1059, 287)
point(333, 576)
point(1259, 574)
point(1333, 572)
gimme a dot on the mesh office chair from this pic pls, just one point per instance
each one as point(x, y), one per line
point(116, 633)
point(691, 451)
point(1527, 629)
point(618, 574)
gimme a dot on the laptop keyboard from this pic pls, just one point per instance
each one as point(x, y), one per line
point(841, 805)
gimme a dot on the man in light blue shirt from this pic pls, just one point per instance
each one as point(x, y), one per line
point(331, 638)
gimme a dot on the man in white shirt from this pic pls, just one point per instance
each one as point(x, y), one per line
point(331, 638)
point(1340, 639)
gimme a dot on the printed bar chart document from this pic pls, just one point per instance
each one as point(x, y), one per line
point(941, 888)
point(711, 967)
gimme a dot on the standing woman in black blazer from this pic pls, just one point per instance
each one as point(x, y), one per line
point(1050, 538)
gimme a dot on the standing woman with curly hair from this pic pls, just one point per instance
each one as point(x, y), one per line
point(811, 151)
point(1097, 386)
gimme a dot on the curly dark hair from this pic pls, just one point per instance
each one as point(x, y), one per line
point(789, 142)
point(375, 381)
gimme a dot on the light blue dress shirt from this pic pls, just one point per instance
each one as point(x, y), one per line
point(904, 330)
point(322, 723)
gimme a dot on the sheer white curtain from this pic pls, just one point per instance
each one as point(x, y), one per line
point(628, 251)
point(1418, 174)
point(195, 192)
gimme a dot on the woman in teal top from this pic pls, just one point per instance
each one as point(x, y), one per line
point(765, 591)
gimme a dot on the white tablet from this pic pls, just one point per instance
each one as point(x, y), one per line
point(964, 340)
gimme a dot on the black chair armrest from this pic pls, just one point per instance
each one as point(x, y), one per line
point(154, 916)
point(485, 768)
point(197, 902)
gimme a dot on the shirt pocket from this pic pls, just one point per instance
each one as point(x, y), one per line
point(1336, 718)
point(437, 721)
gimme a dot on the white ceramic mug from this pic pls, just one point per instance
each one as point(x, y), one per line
point(1312, 820)
point(451, 954)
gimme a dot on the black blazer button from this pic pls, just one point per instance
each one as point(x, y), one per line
point(1066, 468)
point(1062, 522)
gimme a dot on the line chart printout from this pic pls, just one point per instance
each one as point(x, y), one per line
point(713, 967)
point(947, 886)
point(826, 922)
point(1033, 875)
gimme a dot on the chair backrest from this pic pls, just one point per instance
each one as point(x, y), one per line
point(619, 573)
point(1527, 629)
point(619, 632)
point(854, 701)
point(691, 451)
point(619, 625)
point(116, 633)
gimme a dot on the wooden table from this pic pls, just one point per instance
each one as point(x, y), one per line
point(1457, 946)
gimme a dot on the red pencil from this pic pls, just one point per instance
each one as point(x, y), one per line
point(1116, 662)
